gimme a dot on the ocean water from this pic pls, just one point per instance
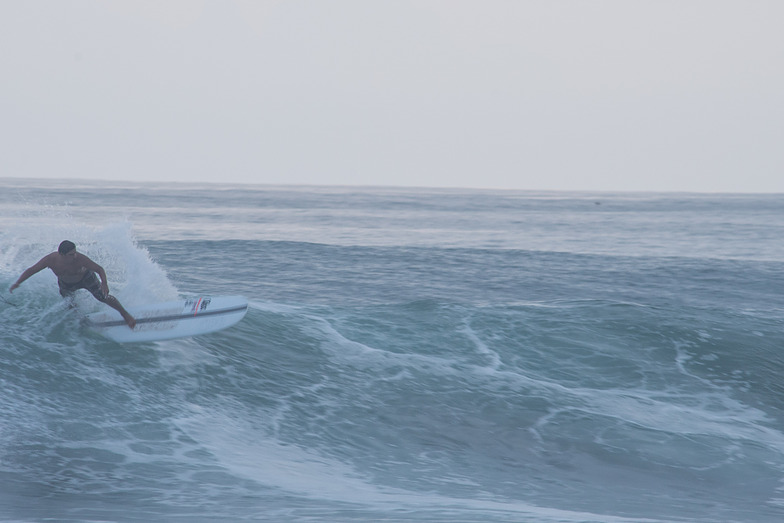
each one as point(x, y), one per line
point(408, 355)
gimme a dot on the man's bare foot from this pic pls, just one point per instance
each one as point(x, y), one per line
point(130, 321)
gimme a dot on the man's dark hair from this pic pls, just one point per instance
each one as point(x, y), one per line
point(66, 246)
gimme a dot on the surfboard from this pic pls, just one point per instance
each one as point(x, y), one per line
point(174, 319)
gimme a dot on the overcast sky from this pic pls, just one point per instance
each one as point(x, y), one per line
point(673, 95)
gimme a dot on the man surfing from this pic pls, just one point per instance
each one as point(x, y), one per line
point(76, 271)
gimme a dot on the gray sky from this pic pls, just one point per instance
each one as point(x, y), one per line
point(566, 95)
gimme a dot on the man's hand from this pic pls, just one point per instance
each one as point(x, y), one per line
point(13, 287)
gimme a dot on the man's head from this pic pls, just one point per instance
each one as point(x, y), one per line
point(66, 247)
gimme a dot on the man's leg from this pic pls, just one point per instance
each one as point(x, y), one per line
point(114, 303)
point(93, 284)
point(66, 293)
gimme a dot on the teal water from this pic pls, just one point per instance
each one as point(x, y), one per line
point(408, 355)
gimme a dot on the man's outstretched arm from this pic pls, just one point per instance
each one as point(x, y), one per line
point(42, 264)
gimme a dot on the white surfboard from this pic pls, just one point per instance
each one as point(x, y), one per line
point(175, 319)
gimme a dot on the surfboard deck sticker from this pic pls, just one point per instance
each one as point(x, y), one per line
point(174, 319)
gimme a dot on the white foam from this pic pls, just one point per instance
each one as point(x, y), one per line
point(244, 450)
point(134, 278)
point(702, 410)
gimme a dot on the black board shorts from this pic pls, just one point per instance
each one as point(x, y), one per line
point(89, 282)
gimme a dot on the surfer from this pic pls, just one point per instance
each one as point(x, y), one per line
point(75, 271)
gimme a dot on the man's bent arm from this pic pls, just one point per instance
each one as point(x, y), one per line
point(91, 265)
